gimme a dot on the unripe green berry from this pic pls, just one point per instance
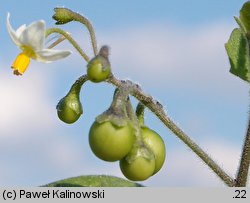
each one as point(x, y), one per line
point(139, 164)
point(98, 69)
point(69, 108)
point(156, 144)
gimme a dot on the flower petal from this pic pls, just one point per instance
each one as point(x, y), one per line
point(20, 30)
point(12, 32)
point(49, 55)
point(34, 35)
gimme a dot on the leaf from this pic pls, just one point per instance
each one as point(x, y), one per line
point(238, 21)
point(238, 52)
point(245, 15)
point(94, 181)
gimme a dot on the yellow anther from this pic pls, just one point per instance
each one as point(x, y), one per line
point(20, 64)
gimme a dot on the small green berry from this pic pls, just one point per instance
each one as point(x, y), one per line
point(98, 69)
point(69, 108)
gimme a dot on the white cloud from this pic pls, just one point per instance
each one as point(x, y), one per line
point(36, 147)
point(188, 59)
point(23, 103)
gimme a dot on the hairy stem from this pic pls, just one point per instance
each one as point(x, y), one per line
point(76, 87)
point(140, 113)
point(158, 110)
point(242, 174)
point(86, 22)
point(69, 38)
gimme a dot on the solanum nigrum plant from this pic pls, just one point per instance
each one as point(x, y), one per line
point(120, 133)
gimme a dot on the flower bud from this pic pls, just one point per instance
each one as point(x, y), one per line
point(62, 15)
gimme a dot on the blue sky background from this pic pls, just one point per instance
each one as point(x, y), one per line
point(174, 49)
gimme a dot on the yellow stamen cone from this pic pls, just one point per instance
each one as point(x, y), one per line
point(20, 64)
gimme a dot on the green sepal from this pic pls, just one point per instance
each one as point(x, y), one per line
point(116, 113)
point(237, 49)
point(139, 149)
point(115, 116)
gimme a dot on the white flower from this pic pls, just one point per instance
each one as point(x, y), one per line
point(30, 39)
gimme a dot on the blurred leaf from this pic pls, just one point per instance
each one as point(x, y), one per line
point(238, 52)
point(240, 24)
point(245, 15)
point(93, 181)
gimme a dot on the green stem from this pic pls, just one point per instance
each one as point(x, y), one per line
point(76, 87)
point(86, 22)
point(242, 174)
point(135, 122)
point(118, 102)
point(50, 31)
point(158, 110)
point(140, 113)
point(116, 113)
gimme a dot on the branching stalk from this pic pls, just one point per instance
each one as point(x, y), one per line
point(158, 110)
point(156, 107)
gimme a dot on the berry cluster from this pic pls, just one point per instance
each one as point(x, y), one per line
point(118, 134)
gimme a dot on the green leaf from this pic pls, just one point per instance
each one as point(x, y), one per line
point(245, 15)
point(238, 52)
point(93, 181)
point(240, 24)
